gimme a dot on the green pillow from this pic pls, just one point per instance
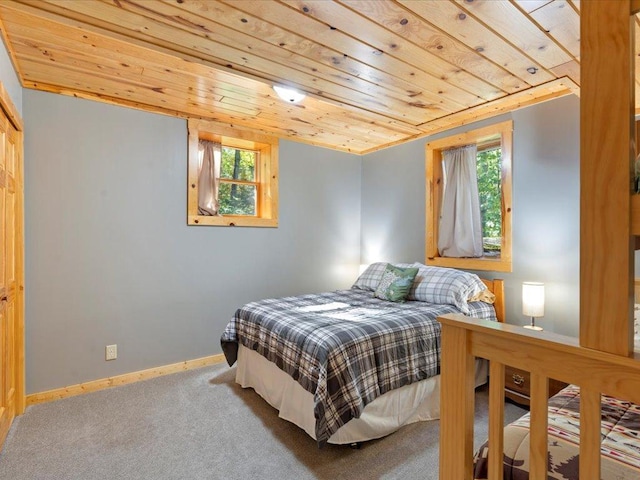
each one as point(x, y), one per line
point(395, 283)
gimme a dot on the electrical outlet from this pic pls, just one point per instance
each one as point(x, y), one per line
point(111, 352)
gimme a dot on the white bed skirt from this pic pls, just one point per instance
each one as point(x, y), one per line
point(386, 414)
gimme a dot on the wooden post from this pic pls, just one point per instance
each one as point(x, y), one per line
point(496, 420)
point(606, 154)
point(538, 446)
point(457, 400)
point(590, 421)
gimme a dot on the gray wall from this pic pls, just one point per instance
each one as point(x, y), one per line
point(393, 204)
point(110, 259)
point(546, 202)
point(545, 208)
point(9, 78)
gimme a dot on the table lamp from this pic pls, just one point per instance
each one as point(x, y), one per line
point(533, 302)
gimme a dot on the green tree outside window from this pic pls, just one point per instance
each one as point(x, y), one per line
point(490, 192)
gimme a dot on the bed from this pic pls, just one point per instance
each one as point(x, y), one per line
point(620, 435)
point(620, 447)
point(347, 366)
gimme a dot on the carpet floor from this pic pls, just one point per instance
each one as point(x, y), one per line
point(199, 425)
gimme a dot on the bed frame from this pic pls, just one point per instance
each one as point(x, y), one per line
point(496, 286)
point(602, 360)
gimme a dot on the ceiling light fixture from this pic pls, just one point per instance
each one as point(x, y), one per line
point(289, 94)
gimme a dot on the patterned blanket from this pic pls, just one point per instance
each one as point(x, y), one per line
point(345, 347)
point(620, 448)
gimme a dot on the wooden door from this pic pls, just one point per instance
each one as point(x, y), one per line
point(12, 398)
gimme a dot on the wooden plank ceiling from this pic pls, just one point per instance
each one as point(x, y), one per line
point(376, 72)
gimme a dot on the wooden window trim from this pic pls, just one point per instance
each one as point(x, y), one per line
point(482, 137)
point(266, 171)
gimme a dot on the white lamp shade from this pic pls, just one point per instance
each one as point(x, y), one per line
point(533, 299)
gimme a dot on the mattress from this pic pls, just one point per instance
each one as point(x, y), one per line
point(386, 414)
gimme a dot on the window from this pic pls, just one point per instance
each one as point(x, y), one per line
point(493, 163)
point(238, 181)
point(246, 190)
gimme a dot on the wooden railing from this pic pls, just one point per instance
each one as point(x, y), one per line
point(544, 354)
point(609, 220)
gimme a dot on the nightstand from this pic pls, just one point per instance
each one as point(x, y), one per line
point(517, 386)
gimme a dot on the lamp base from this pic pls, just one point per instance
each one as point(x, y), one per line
point(533, 327)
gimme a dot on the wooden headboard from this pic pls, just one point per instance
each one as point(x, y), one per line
point(636, 290)
point(497, 288)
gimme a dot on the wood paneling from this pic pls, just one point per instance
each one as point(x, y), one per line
point(376, 72)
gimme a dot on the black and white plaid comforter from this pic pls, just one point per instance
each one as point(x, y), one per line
point(345, 347)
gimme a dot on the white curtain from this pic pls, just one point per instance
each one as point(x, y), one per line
point(460, 228)
point(210, 155)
